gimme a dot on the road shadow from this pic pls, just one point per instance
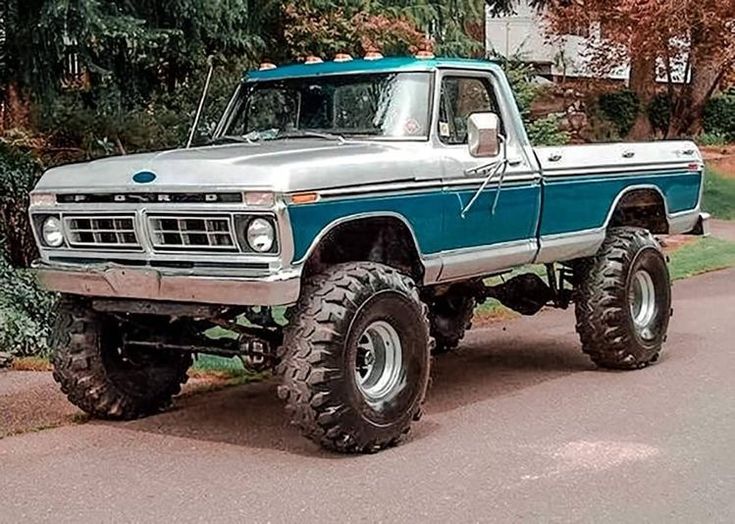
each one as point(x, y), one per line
point(493, 362)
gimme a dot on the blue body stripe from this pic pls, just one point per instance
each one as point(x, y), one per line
point(570, 204)
point(579, 203)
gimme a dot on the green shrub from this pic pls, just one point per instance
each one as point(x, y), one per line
point(621, 108)
point(712, 139)
point(100, 123)
point(659, 113)
point(719, 115)
point(26, 312)
point(546, 132)
point(18, 174)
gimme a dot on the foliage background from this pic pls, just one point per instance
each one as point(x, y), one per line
point(82, 79)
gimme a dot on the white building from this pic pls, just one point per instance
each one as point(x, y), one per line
point(522, 34)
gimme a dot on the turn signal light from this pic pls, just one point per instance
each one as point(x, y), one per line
point(342, 57)
point(313, 60)
point(267, 66)
point(425, 55)
point(304, 198)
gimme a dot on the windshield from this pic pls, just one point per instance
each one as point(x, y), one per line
point(388, 105)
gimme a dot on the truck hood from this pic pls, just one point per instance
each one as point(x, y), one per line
point(281, 166)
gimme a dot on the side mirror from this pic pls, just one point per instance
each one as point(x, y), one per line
point(483, 134)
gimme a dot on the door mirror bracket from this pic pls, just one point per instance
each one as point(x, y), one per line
point(498, 167)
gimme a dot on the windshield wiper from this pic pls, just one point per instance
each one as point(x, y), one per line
point(309, 134)
point(231, 139)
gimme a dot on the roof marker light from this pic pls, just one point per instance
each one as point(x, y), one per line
point(425, 55)
point(267, 66)
point(373, 55)
point(342, 57)
point(313, 60)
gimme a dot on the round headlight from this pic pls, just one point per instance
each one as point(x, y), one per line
point(261, 235)
point(51, 231)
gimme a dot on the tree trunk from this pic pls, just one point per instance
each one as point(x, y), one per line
point(706, 75)
point(643, 84)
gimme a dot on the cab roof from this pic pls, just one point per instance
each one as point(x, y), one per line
point(358, 66)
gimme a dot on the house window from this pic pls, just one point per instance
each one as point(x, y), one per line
point(578, 28)
point(75, 74)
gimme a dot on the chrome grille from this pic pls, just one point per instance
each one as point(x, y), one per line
point(203, 233)
point(113, 232)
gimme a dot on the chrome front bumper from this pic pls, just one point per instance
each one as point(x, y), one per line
point(113, 281)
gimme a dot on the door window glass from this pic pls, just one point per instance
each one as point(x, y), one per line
point(461, 97)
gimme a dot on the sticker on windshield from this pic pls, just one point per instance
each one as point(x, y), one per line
point(412, 127)
point(444, 129)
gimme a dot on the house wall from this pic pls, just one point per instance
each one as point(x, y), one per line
point(523, 34)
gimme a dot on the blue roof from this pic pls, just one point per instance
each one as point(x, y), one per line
point(383, 65)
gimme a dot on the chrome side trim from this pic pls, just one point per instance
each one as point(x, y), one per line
point(612, 170)
point(568, 246)
point(474, 262)
point(421, 186)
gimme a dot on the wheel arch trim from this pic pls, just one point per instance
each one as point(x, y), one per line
point(430, 267)
point(632, 189)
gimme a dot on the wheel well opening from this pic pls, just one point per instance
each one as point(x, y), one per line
point(641, 208)
point(386, 240)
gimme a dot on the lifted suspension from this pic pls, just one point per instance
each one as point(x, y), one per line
point(528, 293)
point(253, 333)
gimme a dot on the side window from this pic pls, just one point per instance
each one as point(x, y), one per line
point(460, 97)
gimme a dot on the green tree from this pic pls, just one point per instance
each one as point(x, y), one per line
point(131, 45)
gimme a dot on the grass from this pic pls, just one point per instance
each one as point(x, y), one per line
point(719, 195)
point(211, 365)
point(702, 256)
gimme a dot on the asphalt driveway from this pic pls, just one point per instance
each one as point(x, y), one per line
point(519, 426)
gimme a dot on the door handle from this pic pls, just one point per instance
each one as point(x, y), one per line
point(515, 162)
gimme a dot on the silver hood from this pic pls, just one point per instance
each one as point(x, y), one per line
point(281, 166)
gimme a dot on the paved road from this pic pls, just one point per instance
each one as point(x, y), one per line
point(724, 229)
point(519, 427)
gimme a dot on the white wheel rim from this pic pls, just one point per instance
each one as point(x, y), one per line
point(379, 362)
point(642, 297)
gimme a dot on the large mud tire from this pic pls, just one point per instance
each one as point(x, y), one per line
point(324, 394)
point(103, 379)
point(608, 300)
point(450, 316)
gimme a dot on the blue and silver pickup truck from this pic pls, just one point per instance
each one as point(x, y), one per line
point(370, 199)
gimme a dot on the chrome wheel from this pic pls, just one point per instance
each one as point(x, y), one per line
point(643, 304)
point(379, 365)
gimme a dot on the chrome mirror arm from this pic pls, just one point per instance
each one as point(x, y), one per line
point(497, 167)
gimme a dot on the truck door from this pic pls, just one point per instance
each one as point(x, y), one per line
point(499, 230)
